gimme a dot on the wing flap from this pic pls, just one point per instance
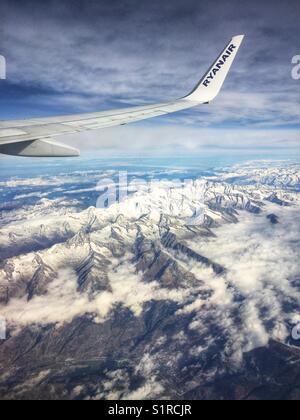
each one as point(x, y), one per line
point(39, 148)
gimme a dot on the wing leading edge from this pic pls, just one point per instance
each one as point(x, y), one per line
point(34, 137)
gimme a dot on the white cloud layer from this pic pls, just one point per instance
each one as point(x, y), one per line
point(262, 262)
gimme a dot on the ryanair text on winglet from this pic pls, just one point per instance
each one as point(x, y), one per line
point(219, 65)
point(2, 68)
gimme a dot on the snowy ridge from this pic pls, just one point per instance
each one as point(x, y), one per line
point(280, 176)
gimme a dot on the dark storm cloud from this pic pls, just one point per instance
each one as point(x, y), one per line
point(86, 55)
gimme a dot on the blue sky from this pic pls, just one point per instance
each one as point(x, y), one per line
point(76, 56)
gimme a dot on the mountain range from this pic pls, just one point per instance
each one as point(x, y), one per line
point(181, 292)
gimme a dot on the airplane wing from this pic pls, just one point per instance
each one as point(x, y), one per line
point(34, 137)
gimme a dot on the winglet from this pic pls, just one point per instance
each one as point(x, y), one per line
point(211, 84)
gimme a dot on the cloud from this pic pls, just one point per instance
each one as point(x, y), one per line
point(173, 140)
point(151, 388)
point(88, 57)
point(118, 386)
point(63, 302)
point(261, 264)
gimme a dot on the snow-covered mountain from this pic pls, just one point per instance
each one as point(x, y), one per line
point(267, 173)
point(170, 293)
